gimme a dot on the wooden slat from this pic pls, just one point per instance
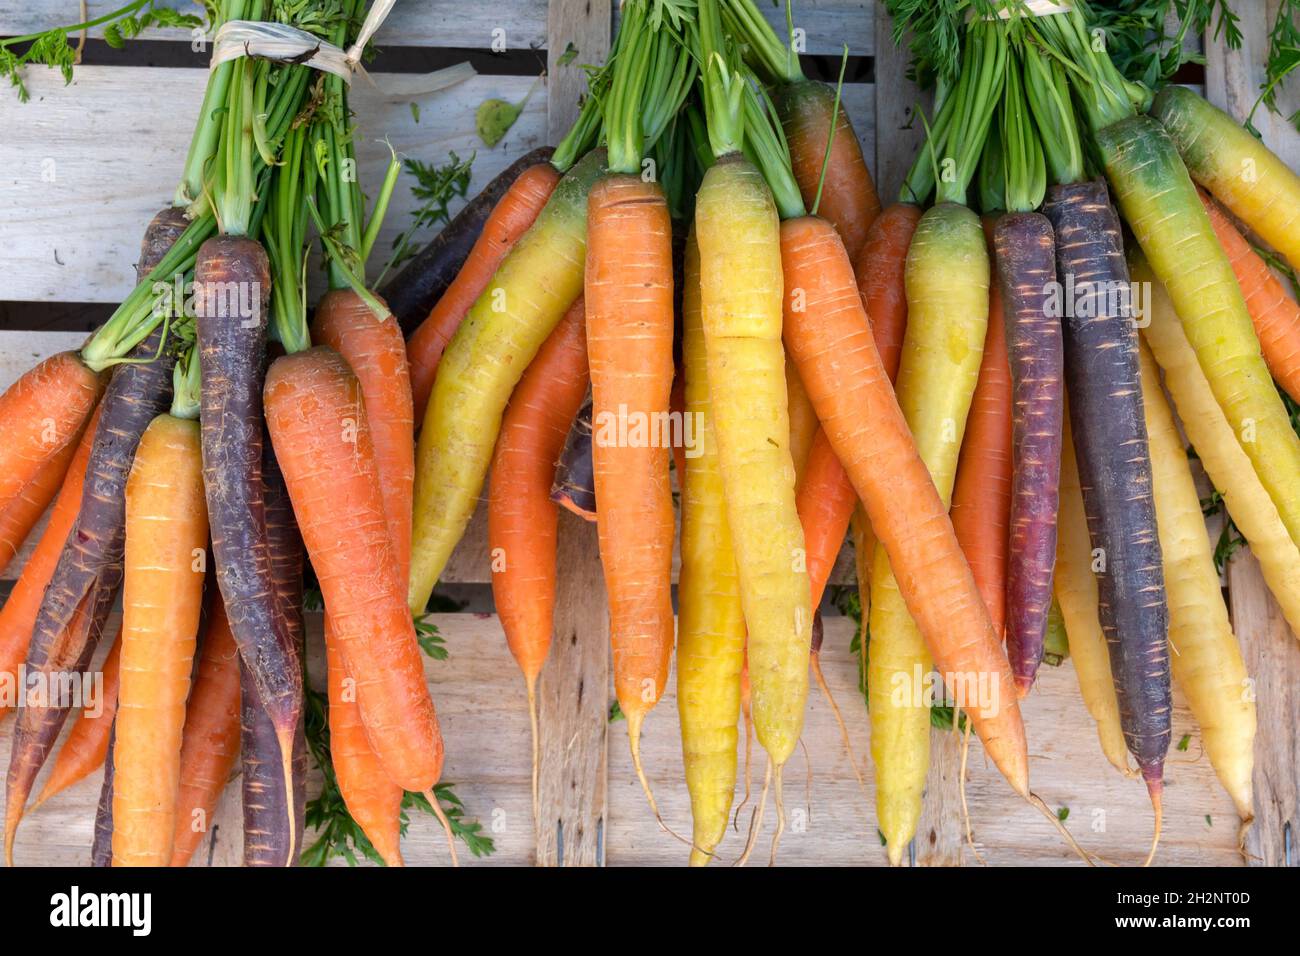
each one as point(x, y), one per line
point(423, 23)
point(1272, 653)
point(573, 699)
point(485, 723)
point(828, 25)
point(114, 143)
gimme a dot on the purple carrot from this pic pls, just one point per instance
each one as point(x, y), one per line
point(1026, 255)
point(77, 600)
point(1110, 441)
point(233, 278)
point(273, 836)
point(101, 850)
point(575, 479)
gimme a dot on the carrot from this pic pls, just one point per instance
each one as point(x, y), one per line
point(532, 289)
point(1026, 254)
point(18, 615)
point(416, 289)
point(510, 218)
point(17, 521)
point(317, 422)
point(880, 269)
point(1205, 658)
point(808, 110)
point(803, 421)
point(1241, 172)
point(1275, 315)
point(167, 527)
point(947, 280)
point(1160, 204)
point(574, 486)
point(210, 741)
point(272, 825)
point(825, 504)
point(711, 622)
point(101, 848)
point(1076, 590)
point(839, 362)
point(41, 414)
point(1225, 462)
point(522, 519)
point(231, 351)
point(1106, 414)
point(981, 497)
point(82, 588)
point(84, 750)
point(629, 306)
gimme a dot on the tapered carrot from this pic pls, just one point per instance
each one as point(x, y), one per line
point(210, 742)
point(880, 269)
point(316, 418)
point(87, 744)
point(1275, 315)
point(981, 498)
point(522, 518)
point(41, 414)
point(167, 526)
point(18, 615)
point(629, 304)
point(509, 220)
point(17, 521)
point(825, 503)
point(858, 410)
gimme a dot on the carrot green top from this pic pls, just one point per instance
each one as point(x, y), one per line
point(1015, 147)
point(1048, 92)
point(773, 60)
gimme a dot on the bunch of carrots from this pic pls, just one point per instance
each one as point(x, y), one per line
point(697, 288)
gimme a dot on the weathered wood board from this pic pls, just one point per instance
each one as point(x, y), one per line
point(83, 169)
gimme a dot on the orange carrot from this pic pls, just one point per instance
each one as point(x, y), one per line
point(316, 417)
point(166, 527)
point(19, 613)
point(981, 498)
point(880, 268)
point(522, 518)
point(40, 415)
point(825, 503)
point(375, 351)
point(210, 743)
point(17, 521)
point(629, 303)
point(87, 743)
point(509, 220)
point(1275, 315)
point(850, 390)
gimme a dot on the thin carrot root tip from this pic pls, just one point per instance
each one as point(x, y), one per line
point(839, 719)
point(532, 721)
point(780, 819)
point(634, 742)
point(961, 785)
point(1037, 801)
point(756, 821)
point(1155, 787)
point(432, 797)
point(1242, 831)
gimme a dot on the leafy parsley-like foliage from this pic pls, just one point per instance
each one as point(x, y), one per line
point(435, 188)
point(1145, 38)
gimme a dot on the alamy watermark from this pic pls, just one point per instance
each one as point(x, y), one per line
point(624, 428)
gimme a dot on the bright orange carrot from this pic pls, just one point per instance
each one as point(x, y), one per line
point(981, 499)
point(522, 518)
point(41, 414)
point(629, 302)
point(377, 355)
point(848, 385)
point(1275, 315)
point(166, 527)
point(17, 521)
point(880, 268)
point(210, 743)
point(316, 417)
point(87, 743)
point(509, 220)
point(19, 613)
point(825, 503)
point(373, 800)
point(375, 351)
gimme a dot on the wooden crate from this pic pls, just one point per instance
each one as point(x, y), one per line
point(85, 167)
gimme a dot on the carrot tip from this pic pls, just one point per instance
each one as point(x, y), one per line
point(432, 797)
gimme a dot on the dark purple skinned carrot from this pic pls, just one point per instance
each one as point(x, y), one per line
point(272, 835)
point(1110, 441)
point(1026, 253)
point(80, 594)
point(233, 279)
point(101, 850)
point(414, 291)
point(575, 479)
